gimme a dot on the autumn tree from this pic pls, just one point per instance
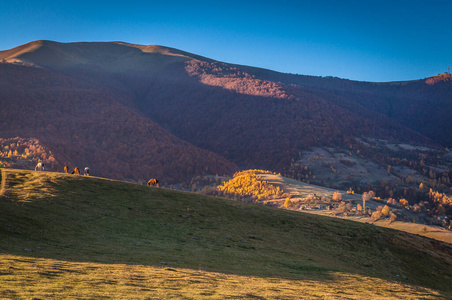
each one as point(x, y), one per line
point(359, 208)
point(403, 202)
point(337, 196)
point(366, 197)
point(392, 217)
point(288, 203)
point(385, 211)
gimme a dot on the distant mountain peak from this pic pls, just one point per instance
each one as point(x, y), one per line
point(46, 53)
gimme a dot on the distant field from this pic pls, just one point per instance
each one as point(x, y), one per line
point(298, 190)
point(66, 236)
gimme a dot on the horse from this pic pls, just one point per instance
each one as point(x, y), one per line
point(66, 169)
point(153, 182)
point(39, 166)
point(86, 171)
point(76, 171)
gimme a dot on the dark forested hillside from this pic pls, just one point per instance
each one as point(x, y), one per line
point(85, 125)
point(422, 105)
point(141, 108)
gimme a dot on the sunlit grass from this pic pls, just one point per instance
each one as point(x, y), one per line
point(68, 236)
point(53, 279)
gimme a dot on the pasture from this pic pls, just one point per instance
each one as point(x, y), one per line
point(66, 236)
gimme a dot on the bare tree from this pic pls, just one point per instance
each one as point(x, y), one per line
point(367, 196)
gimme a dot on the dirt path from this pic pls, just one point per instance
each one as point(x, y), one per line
point(300, 190)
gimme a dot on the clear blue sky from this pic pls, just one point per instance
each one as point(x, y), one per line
point(360, 40)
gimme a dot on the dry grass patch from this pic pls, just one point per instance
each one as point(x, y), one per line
point(55, 279)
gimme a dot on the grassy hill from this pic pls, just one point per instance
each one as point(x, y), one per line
point(70, 236)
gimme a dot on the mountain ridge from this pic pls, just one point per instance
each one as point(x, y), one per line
point(10, 54)
point(81, 53)
point(253, 117)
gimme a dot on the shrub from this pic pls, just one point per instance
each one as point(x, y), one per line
point(337, 196)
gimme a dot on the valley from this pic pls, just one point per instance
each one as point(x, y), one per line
point(133, 112)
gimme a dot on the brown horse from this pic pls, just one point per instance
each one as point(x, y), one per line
point(76, 171)
point(153, 182)
point(66, 169)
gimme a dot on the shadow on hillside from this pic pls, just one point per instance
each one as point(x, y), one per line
point(79, 219)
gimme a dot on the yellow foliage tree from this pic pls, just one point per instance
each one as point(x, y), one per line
point(440, 198)
point(287, 203)
point(248, 184)
point(385, 211)
point(403, 202)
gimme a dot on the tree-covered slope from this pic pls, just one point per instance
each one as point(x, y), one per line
point(84, 124)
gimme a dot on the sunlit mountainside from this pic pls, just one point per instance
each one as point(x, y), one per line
point(133, 112)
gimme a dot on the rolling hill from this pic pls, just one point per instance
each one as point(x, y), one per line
point(72, 236)
point(242, 117)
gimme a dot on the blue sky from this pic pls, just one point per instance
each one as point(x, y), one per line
point(359, 40)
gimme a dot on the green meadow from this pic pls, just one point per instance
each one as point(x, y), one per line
point(73, 237)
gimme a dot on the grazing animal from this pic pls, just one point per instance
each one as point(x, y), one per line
point(86, 172)
point(76, 171)
point(153, 182)
point(66, 169)
point(39, 167)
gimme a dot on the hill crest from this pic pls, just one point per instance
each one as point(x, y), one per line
point(445, 77)
point(45, 53)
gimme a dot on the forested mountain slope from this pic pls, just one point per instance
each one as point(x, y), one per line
point(252, 117)
point(87, 125)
